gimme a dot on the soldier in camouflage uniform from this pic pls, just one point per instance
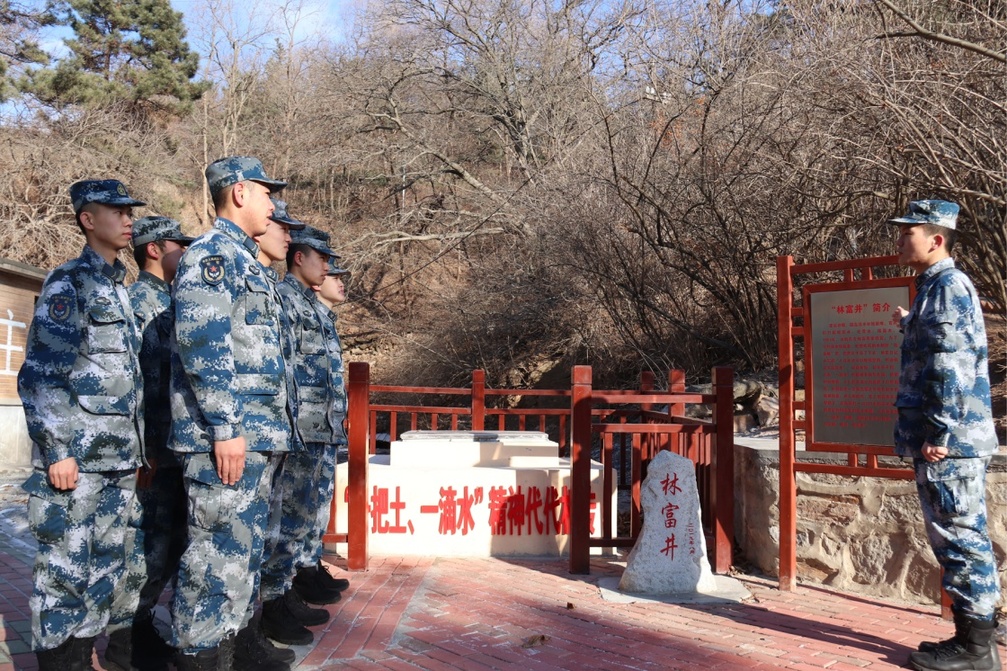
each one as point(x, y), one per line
point(299, 490)
point(945, 425)
point(314, 582)
point(158, 244)
point(82, 393)
point(251, 643)
point(229, 414)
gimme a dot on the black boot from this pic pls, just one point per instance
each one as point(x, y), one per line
point(150, 651)
point(252, 638)
point(119, 653)
point(83, 650)
point(252, 654)
point(204, 660)
point(972, 649)
point(318, 589)
point(305, 614)
point(325, 579)
point(279, 624)
point(59, 658)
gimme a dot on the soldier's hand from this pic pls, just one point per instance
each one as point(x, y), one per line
point(145, 476)
point(63, 474)
point(899, 314)
point(934, 452)
point(230, 456)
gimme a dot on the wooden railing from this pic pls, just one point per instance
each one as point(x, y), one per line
point(624, 430)
point(632, 420)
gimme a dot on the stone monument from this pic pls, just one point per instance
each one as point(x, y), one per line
point(670, 553)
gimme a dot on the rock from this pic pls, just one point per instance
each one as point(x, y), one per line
point(768, 411)
point(670, 553)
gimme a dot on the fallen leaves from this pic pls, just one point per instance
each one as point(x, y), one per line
point(532, 641)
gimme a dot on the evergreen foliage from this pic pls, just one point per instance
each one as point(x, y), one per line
point(130, 51)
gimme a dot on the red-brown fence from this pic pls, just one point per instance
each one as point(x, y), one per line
point(624, 429)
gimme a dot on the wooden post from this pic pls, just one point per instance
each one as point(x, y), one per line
point(580, 477)
point(722, 462)
point(788, 457)
point(650, 442)
point(356, 517)
point(478, 400)
point(676, 385)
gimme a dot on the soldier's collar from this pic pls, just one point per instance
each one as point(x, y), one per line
point(941, 265)
point(270, 273)
point(156, 281)
point(305, 290)
point(115, 272)
point(234, 231)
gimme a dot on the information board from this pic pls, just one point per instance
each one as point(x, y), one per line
point(854, 361)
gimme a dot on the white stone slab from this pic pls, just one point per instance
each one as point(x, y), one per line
point(421, 449)
point(670, 553)
point(439, 509)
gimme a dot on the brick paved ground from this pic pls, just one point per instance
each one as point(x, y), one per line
point(531, 615)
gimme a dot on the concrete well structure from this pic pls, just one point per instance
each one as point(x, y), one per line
point(469, 494)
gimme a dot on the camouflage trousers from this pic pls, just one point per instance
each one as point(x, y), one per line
point(296, 506)
point(952, 495)
point(218, 572)
point(313, 548)
point(82, 536)
point(159, 544)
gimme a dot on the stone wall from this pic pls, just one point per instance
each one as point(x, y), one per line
point(855, 534)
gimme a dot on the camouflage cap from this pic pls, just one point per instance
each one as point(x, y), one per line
point(314, 238)
point(336, 270)
point(233, 169)
point(281, 216)
point(104, 191)
point(152, 229)
point(937, 212)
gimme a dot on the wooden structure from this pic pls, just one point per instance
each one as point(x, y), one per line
point(861, 460)
point(624, 428)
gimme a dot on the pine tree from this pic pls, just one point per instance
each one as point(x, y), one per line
point(131, 51)
point(18, 41)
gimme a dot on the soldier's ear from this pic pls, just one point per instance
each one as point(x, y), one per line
point(153, 251)
point(86, 218)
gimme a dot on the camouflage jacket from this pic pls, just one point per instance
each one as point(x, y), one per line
point(151, 300)
point(945, 366)
point(289, 348)
point(317, 363)
point(337, 411)
point(80, 383)
point(227, 370)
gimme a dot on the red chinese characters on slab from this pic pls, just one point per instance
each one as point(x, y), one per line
point(509, 511)
point(671, 489)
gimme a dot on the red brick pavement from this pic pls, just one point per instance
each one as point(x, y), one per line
point(531, 615)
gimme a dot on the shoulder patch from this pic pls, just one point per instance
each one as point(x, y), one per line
point(212, 269)
point(59, 307)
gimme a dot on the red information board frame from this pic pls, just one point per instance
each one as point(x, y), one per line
point(788, 333)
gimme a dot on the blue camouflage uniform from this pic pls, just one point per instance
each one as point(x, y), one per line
point(944, 399)
point(228, 380)
point(82, 393)
point(163, 499)
point(304, 488)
